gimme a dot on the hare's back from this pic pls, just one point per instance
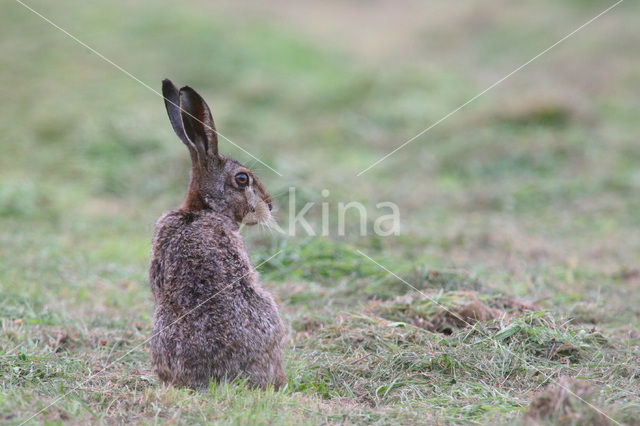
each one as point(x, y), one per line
point(192, 249)
point(200, 269)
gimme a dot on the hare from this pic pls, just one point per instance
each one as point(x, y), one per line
point(212, 319)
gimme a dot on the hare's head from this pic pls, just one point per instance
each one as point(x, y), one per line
point(218, 183)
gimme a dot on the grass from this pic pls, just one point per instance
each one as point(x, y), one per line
point(519, 224)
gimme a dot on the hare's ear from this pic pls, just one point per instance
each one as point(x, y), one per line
point(197, 122)
point(172, 104)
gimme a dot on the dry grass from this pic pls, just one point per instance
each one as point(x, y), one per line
point(564, 404)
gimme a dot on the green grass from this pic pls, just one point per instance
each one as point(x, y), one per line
point(519, 214)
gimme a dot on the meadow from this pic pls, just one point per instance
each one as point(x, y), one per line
point(512, 287)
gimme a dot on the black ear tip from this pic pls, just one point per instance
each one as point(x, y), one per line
point(168, 87)
point(191, 95)
point(187, 89)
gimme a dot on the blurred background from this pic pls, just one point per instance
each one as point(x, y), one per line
point(545, 167)
point(534, 187)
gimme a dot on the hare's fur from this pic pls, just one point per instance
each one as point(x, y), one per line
point(212, 320)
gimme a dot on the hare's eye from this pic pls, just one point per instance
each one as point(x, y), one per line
point(242, 179)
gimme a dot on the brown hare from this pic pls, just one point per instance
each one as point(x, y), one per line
point(212, 320)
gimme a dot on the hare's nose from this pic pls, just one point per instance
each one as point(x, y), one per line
point(269, 203)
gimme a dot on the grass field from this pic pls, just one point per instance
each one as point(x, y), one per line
point(520, 213)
